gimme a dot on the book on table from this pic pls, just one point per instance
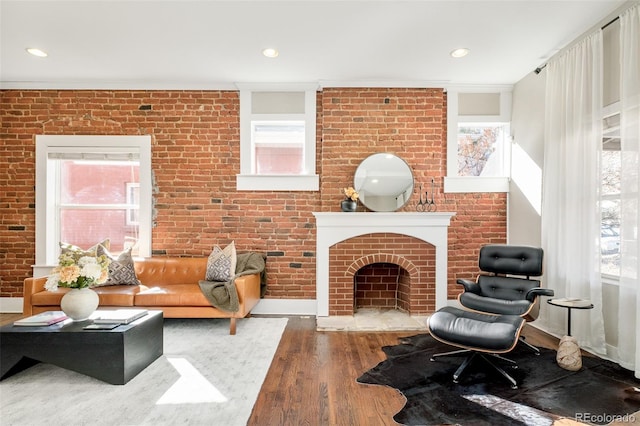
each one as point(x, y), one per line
point(94, 326)
point(119, 316)
point(42, 319)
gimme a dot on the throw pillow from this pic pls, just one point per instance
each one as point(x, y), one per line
point(121, 268)
point(221, 265)
point(91, 251)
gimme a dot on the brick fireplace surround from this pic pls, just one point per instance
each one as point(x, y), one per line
point(346, 242)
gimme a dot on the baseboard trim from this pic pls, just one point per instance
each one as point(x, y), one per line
point(286, 307)
point(11, 305)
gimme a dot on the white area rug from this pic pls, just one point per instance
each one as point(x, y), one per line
point(205, 377)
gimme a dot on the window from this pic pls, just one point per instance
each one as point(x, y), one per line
point(277, 138)
point(277, 147)
point(478, 136)
point(481, 149)
point(89, 188)
point(610, 162)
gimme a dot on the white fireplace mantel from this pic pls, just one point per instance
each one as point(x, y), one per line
point(335, 227)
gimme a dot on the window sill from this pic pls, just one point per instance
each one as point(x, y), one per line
point(277, 182)
point(610, 279)
point(476, 184)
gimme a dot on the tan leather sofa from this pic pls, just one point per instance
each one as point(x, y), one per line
point(168, 284)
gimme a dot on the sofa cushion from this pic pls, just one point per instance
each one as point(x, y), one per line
point(172, 295)
point(117, 295)
point(121, 268)
point(48, 298)
point(163, 271)
point(221, 265)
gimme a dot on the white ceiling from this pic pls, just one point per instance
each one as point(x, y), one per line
point(211, 44)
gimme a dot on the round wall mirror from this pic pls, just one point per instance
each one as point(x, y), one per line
point(384, 182)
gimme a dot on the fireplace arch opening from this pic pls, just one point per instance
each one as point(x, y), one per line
point(382, 286)
point(413, 270)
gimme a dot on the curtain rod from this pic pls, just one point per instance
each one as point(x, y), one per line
point(610, 22)
point(540, 68)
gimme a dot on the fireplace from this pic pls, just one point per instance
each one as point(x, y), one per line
point(415, 242)
point(382, 285)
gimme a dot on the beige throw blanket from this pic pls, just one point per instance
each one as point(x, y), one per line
point(223, 294)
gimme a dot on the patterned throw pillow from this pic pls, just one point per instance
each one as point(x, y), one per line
point(91, 251)
point(121, 268)
point(221, 265)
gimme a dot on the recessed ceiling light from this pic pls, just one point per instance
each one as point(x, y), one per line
point(270, 52)
point(37, 52)
point(460, 53)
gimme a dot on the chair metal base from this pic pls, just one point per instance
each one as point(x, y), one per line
point(536, 351)
point(485, 356)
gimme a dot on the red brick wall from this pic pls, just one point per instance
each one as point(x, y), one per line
point(195, 156)
point(412, 124)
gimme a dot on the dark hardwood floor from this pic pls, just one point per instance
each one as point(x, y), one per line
point(312, 379)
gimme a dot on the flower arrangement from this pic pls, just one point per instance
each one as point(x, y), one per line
point(350, 193)
point(78, 270)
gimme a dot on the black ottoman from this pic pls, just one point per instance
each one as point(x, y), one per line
point(480, 335)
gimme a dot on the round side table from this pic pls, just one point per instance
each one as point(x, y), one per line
point(570, 303)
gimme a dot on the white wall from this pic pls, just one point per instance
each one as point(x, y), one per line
point(527, 129)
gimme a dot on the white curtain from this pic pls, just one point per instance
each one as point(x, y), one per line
point(570, 190)
point(629, 301)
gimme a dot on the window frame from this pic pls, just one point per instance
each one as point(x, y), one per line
point(47, 230)
point(248, 180)
point(131, 189)
point(461, 184)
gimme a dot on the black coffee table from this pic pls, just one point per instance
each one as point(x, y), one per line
point(113, 356)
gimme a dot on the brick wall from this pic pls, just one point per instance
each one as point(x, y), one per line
point(195, 156)
point(412, 124)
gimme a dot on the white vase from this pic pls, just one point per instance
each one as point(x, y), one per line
point(79, 303)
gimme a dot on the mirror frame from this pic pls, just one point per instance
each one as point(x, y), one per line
point(371, 171)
